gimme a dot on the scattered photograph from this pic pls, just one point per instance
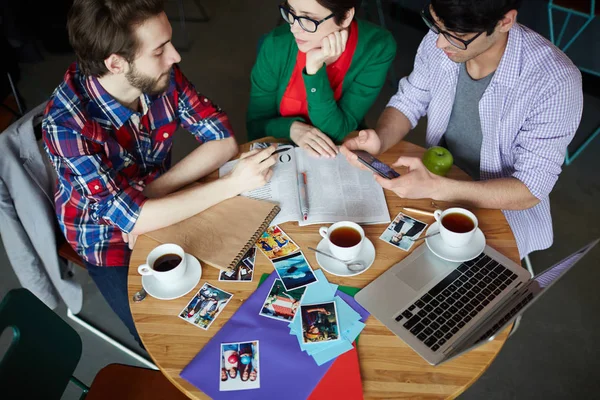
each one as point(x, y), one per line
point(205, 306)
point(244, 271)
point(281, 304)
point(239, 366)
point(294, 271)
point(319, 322)
point(274, 243)
point(401, 229)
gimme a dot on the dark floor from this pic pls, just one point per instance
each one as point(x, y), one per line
point(554, 353)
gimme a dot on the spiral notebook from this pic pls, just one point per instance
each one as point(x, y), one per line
point(222, 234)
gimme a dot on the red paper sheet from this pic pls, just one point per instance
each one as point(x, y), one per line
point(342, 381)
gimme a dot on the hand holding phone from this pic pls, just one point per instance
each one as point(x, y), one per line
point(375, 165)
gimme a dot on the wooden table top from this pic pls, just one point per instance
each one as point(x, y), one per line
point(389, 368)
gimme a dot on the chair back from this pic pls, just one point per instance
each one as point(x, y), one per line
point(44, 351)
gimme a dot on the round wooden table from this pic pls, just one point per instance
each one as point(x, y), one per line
point(389, 368)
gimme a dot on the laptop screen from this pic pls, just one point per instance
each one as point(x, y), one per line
point(549, 276)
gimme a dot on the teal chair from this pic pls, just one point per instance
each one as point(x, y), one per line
point(586, 11)
point(44, 352)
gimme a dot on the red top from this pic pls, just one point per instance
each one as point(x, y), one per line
point(294, 102)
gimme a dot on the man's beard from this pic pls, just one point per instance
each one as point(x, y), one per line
point(146, 84)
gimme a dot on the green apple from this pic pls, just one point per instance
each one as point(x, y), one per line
point(438, 160)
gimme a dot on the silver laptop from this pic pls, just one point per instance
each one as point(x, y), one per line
point(442, 309)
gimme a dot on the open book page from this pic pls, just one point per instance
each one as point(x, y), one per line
point(282, 188)
point(337, 191)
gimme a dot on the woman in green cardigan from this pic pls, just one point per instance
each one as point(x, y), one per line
point(314, 81)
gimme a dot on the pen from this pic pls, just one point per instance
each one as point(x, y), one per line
point(280, 150)
point(303, 195)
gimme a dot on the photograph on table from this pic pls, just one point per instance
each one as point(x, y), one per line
point(294, 271)
point(401, 230)
point(319, 322)
point(244, 271)
point(205, 306)
point(281, 304)
point(274, 243)
point(239, 366)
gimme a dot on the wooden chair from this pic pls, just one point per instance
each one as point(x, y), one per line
point(124, 382)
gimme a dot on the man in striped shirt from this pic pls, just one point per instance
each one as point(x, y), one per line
point(503, 99)
point(108, 130)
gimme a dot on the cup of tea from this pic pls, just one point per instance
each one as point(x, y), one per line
point(457, 226)
point(166, 263)
point(345, 239)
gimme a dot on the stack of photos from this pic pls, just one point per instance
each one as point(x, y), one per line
point(239, 366)
point(244, 271)
point(205, 306)
point(401, 229)
point(289, 262)
point(282, 304)
point(319, 322)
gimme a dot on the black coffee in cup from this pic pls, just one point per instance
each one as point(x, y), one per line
point(457, 222)
point(345, 236)
point(166, 262)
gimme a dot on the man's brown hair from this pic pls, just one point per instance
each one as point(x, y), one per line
point(99, 28)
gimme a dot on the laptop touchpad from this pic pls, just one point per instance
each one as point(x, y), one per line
point(423, 270)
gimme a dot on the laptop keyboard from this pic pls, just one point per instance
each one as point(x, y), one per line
point(457, 299)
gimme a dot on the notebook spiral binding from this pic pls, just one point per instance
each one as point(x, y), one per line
point(255, 237)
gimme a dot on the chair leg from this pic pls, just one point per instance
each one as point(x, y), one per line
point(381, 16)
point(110, 340)
point(15, 93)
point(204, 17)
point(529, 268)
point(570, 158)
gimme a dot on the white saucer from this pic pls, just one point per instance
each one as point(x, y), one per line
point(455, 254)
point(189, 280)
point(366, 255)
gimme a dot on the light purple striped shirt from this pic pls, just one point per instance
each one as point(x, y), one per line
point(529, 114)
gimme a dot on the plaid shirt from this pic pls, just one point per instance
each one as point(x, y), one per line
point(529, 113)
point(105, 154)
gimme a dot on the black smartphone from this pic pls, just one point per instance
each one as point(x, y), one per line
point(375, 165)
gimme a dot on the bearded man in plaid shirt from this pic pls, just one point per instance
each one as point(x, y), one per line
point(108, 130)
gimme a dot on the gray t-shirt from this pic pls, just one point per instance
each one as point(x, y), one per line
point(463, 137)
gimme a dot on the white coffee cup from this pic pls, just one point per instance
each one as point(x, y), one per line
point(343, 253)
point(451, 238)
point(170, 276)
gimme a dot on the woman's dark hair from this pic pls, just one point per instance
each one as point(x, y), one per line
point(99, 28)
point(339, 8)
point(468, 16)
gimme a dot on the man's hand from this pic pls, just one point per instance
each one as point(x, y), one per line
point(366, 140)
point(315, 142)
point(253, 170)
point(417, 183)
point(129, 239)
point(332, 46)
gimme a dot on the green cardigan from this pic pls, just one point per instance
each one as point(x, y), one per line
point(375, 51)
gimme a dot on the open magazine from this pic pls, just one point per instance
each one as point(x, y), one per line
point(336, 191)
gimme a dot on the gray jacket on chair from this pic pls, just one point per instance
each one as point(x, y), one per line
point(27, 217)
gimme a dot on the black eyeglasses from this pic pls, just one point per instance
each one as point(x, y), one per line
point(453, 40)
point(308, 24)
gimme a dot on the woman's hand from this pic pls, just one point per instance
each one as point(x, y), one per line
point(315, 142)
point(332, 46)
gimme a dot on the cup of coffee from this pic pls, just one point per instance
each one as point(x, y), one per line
point(166, 263)
point(457, 226)
point(345, 239)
